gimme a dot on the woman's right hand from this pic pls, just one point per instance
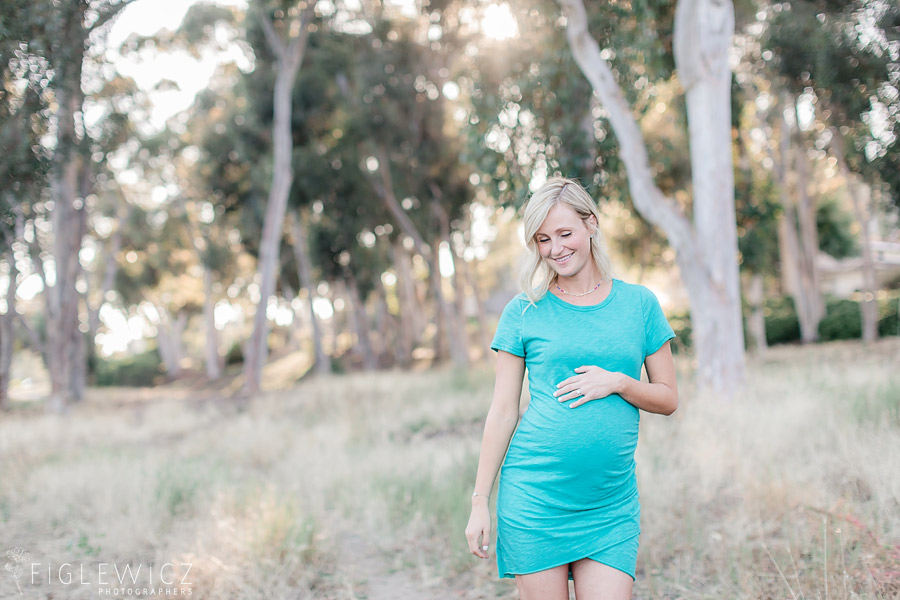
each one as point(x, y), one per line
point(478, 531)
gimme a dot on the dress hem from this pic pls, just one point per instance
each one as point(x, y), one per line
point(580, 556)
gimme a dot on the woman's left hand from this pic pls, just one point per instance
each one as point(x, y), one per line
point(591, 383)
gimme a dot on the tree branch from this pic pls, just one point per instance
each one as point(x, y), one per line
point(297, 46)
point(385, 190)
point(659, 209)
point(104, 17)
point(276, 44)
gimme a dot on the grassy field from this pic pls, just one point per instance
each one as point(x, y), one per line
point(358, 487)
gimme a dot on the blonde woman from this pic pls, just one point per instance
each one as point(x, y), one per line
point(567, 499)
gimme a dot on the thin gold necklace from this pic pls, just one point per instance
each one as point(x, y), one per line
point(578, 295)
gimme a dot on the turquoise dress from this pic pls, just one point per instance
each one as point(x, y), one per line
point(567, 486)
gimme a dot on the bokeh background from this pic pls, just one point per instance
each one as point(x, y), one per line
point(252, 255)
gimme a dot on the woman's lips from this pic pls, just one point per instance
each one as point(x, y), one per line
point(563, 259)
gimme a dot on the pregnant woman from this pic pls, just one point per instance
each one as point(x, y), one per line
point(567, 499)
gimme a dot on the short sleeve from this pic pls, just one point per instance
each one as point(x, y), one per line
point(508, 336)
point(657, 330)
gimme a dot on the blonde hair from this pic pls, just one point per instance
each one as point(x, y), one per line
point(536, 275)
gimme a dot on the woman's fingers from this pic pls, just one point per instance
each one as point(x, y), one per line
point(479, 541)
point(568, 393)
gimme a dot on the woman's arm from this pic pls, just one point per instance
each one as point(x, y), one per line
point(660, 395)
point(502, 417)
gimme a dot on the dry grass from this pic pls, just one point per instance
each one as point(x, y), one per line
point(357, 486)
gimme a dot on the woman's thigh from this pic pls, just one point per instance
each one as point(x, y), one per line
point(549, 584)
point(596, 581)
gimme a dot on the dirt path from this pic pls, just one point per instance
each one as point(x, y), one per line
point(376, 573)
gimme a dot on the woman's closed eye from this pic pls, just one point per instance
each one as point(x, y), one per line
point(545, 240)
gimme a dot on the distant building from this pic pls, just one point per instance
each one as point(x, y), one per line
point(843, 277)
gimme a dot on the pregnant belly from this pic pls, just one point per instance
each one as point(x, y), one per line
point(591, 445)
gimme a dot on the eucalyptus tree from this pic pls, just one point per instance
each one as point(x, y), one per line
point(705, 240)
point(845, 56)
point(414, 159)
point(24, 162)
point(376, 123)
point(57, 41)
point(286, 30)
point(612, 109)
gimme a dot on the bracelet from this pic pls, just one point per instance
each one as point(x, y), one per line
point(488, 496)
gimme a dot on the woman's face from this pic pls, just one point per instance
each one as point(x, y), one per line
point(564, 241)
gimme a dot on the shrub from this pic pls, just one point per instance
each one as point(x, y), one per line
point(681, 325)
point(235, 354)
point(889, 316)
point(843, 321)
point(782, 324)
point(136, 370)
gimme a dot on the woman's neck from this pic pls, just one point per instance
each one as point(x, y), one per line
point(583, 282)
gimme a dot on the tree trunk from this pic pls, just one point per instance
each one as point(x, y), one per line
point(213, 357)
point(813, 307)
point(797, 238)
point(385, 326)
point(409, 309)
point(862, 201)
point(707, 249)
point(288, 60)
point(7, 332)
point(869, 307)
point(67, 221)
point(756, 321)
point(361, 324)
point(456, 317)
point(63, 297)
point(442, 318)
point(169, 333)
point(304, 274)
point(471, 275)
point(384, 189)
point(106, 285)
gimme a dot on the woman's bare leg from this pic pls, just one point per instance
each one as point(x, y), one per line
point(596, 581)
point(549, 584)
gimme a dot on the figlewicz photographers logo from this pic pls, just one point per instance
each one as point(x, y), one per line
point(167, 580)
point(19, 557)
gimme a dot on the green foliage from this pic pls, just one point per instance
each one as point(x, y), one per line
point(681, 325)
point(834, 227)
point(782, 324)
point(843, 321)
point(138, 370)
point(757, 209)
point(235, 355)
point(846, 54)
point(889, 315)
